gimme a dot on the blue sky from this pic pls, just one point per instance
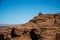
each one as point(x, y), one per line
point(21, 11)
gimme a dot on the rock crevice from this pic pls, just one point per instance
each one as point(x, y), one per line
point(41, 27)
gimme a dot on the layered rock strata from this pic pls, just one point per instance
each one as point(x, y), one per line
point(41, 27)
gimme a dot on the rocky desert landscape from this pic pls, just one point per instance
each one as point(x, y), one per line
point(41, 27)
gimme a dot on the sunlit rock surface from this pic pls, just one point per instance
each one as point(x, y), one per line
point(41, 27)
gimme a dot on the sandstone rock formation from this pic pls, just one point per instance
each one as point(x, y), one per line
point(41, 27)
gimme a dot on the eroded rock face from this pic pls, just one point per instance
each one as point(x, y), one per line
point(41, 27)
point(1, 36)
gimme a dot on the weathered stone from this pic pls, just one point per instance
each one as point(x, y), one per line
point(41, 27)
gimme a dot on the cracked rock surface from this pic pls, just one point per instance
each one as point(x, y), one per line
point(41, 27)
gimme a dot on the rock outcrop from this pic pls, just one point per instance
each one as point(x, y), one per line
point(41, 27)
